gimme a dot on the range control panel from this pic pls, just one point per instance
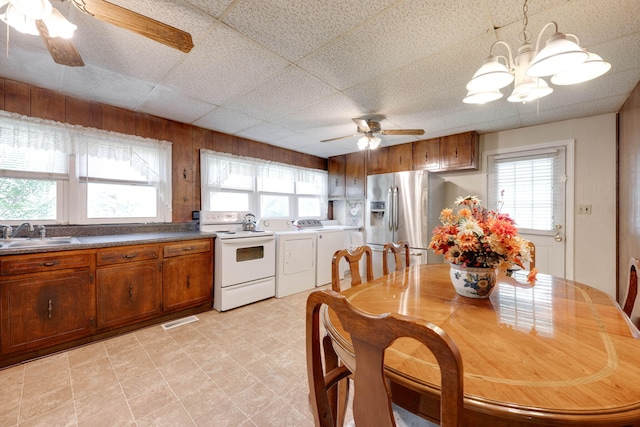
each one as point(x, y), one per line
point(308, 223)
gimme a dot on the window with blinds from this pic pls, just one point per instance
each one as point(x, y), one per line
point(529, 186)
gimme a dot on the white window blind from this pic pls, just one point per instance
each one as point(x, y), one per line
point(529, 187)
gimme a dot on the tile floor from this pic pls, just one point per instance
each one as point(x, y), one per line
point(245, 367)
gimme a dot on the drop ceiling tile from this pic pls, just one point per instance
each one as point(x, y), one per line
point(295, 29)
point(171, 104)
point(291, 88)
point(98, 84)
point(226, 121)
point(266, 132)
point(335, 110)
point(33, 67)
point(212, 7)
point(404, 33)
point(223, 65)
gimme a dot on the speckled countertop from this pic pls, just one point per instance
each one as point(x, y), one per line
point(93, 237)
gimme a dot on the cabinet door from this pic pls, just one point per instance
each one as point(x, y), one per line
point(187, 281)
point(426, 154)
point(45, 310)
point(378, 161)
point(356, 174)
point(459, 152)
point(127, 293)
point(336, 169)
point(400, 158)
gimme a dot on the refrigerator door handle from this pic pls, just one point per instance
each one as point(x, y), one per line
point(395, 208)
point(390, 209)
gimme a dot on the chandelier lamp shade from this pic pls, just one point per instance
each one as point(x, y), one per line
point(23, 14)
point(562, 58)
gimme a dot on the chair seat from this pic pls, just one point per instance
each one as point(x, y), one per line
point(404, 418)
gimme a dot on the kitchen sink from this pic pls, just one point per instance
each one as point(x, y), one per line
point(28, 242)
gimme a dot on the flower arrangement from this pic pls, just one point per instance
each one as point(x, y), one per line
point(472, 236)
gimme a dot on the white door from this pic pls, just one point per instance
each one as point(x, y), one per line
point(533, 186)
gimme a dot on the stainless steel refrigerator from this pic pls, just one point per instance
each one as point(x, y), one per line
point(403, 206)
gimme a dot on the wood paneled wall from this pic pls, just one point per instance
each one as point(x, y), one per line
point(628, 187)
point(28, 100)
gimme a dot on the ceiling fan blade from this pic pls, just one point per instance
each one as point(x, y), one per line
point(362, 125)
point(62, 50)
point(340, 137)
point(140, 24)
point(403, 132)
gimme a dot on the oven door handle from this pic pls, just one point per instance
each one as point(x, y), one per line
point(245, 241)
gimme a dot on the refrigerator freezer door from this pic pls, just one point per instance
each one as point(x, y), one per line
point(379, 212)
point(411, 208)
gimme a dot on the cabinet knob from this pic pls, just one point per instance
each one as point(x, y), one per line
point(130, 292)
point(50, 308)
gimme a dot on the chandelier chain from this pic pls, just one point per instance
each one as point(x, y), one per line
point(525, 35)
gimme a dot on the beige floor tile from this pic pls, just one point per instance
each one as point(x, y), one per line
point(198, 404)
point(193, 382)
point(91, 353)
point(150, 401)
point(60, 416)
point(172, 415)
point(164, 350)
point(111, 416)
point(89, 406)
point(225, 413)
point(9, 414)
point(88, 378)
point(46, 375)
point(178, 368)
point(38, 406)
point(280, 414)
point(235, 382)
point(132, 386)
point(254, 399)
point(131, 363)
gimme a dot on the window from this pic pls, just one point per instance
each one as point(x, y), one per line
point(56, 173)
point(272, 190)
point(529, 186)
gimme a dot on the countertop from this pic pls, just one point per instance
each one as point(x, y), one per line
point(105, 241)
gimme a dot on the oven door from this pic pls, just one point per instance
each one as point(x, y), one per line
point(244, 259)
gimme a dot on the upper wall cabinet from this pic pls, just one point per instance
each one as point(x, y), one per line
point(355, 173)
point(459, 152)
point(396, 158)
point(335, 167)
point(447, 153)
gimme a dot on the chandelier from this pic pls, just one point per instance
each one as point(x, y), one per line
point(563, 59)
point(23, 15)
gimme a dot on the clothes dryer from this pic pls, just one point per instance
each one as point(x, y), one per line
point(295, 256)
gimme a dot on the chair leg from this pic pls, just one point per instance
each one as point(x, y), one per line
point(339, 395)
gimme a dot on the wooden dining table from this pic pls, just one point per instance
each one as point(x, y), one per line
point(552, 352)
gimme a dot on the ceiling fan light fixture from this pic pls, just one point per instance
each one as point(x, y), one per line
point(59, 26)
point(34, 9)
point(374, 143)
point(592, 68)
point(363, 143)
point(19, 21)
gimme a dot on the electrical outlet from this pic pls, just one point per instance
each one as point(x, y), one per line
point(584, 209)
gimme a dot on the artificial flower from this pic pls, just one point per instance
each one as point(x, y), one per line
point(473, 236)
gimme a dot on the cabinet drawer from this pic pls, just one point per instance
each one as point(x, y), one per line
point(187, 248)
point(124, 254)
point(38, 263)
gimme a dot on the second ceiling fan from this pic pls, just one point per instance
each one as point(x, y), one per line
point(369, 127)
point(39, 17)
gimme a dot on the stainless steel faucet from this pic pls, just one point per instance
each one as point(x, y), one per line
point(7, 230)
point(20, 227)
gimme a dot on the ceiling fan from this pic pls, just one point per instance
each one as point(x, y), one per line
point(39, 17)
point(368, 127)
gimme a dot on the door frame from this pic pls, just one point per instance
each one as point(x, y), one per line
point(569, 209)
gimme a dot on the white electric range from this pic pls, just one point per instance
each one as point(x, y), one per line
point(244, 261)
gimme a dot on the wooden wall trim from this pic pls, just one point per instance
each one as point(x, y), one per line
point(28, 100)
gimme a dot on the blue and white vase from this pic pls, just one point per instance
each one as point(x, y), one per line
point(473, 282)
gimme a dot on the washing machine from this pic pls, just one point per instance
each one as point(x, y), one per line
point(330, 239)
point(295, 256)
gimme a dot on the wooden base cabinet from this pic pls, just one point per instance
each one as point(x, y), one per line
point(53, 309)
point(187, 277)
point(46, 300)
point(128, 293)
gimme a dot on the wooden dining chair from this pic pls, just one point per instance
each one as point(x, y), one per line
point(370, 336)
point(353, 257)
point(632, 293)
point(396, 249)
point(532, 253)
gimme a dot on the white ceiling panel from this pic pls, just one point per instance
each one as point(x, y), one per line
point(294, 73)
